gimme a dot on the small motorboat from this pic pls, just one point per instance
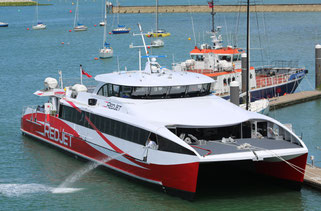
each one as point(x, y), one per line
point(80, 27)
point(39, 26)
point(2, 24)
point(157, 43)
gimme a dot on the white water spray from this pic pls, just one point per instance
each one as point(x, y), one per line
point(17, 190)
point(63, 187)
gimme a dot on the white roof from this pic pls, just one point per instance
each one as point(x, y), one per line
point(208, 111)
point(163, 77)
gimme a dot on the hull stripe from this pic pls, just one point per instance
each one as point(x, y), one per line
point(89, 158)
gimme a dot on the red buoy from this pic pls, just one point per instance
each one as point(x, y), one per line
point(96, 58)
point(69, 30)
point(109, 32)
point(70, 11)
point(95, 25)
point(62, 43)
point(27, 28)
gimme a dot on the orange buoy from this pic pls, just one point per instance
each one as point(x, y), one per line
point(62, 43)
point(284, 94)
point(96, 58)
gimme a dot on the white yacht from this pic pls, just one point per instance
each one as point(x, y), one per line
point(164, 127)
point(106, 51)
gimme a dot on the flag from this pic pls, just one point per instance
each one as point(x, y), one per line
point(84, 73)
point(210, 4)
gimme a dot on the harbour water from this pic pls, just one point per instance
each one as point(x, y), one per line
point(30, 171)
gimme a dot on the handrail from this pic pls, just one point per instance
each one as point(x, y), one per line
point(209, 151)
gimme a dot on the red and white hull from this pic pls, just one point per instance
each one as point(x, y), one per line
point(182, 178)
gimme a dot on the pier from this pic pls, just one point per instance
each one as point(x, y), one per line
point(295, 98)
point(219, 8)
point(6, 3)
point(312, 177)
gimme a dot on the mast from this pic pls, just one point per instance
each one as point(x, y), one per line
point(37, 13)
point(156, 17)
point(213, 14)
point(118, 14)
point(248, 53)
point(105, 26)
point(76, 14)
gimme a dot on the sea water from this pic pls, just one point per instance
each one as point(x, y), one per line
point(30, 170)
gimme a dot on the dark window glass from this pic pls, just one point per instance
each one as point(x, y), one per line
point(177, 91)
point(140, 92)
point(169, 146)
point(110, 90)
point(194, 90)
point(116, 90)
point(100, 92)
point(206, 89)
point(105, 88)
point(125, 91)
point(158, 92)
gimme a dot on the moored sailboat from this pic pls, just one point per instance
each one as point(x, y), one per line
point(121, 29)
point(158, 32)
point(38, 25)
point(78, 26)
point(106, 51)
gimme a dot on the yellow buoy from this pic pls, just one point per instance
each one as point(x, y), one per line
point(189, 38)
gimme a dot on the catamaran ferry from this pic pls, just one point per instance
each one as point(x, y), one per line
point(164, 127)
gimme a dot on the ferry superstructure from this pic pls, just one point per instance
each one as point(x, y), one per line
point(163, 127)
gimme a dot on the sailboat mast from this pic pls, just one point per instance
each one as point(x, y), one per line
point(156, 16)
point(76, 14)
point(105, 26)
point(248, 54)
point(118, 13)
point(37, 13)
point(213, 14)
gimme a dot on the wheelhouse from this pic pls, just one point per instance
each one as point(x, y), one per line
point(156, 92)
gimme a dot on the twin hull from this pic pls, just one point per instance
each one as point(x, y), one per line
point(179, 177)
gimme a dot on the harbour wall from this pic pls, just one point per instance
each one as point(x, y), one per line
point(219, 8)
point(6, 3)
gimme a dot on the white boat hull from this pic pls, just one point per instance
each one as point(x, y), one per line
point(80, 28)
point(39, 27)
point(106, 53)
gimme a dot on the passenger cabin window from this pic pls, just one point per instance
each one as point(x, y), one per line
point(198, 57)
point(157, 92)
point(236, 57)
point(103, 91)
point(177, 91)
point(119, 129)
point(140, 92)
point(225, 57)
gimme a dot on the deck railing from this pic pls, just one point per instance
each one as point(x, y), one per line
point(271, 80)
